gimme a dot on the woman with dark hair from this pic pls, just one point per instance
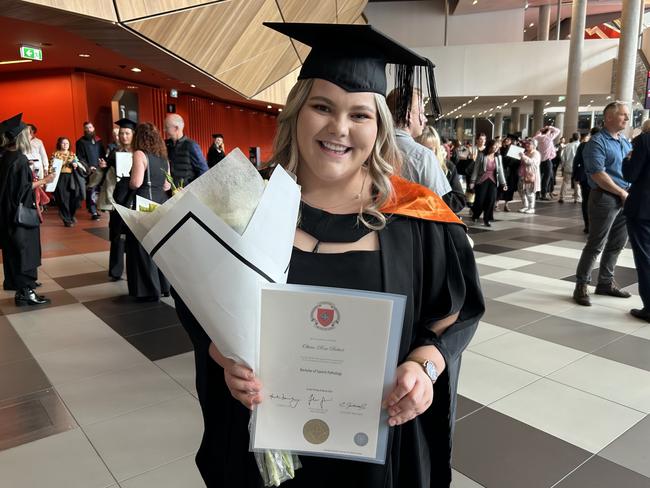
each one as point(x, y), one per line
point(361, 227)
point(20, 236)
point(486, 177)
point(145, 281)
point(71, 187)
point(511, 169)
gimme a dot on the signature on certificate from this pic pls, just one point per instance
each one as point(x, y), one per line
point(288, 400)
point(318, 401)
point(353, 406)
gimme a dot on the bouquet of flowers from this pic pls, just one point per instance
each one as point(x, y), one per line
point(245, 226)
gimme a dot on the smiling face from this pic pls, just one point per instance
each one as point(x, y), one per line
point(336, 132)
point(65, 145)
point(125, 136)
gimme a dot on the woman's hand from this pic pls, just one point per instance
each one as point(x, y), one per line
point(412, 395)
point(505, 187)
point(242, 383)
point(102, 163)
point(48, 179)
point(471, 186)
point(75, 165)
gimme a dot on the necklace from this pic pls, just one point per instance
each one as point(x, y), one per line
point(357, 196)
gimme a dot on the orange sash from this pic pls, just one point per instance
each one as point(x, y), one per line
point(413, 200)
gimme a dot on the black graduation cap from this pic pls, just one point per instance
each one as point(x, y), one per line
point(13, 126)
point(354, 57)
point(126, 124)
point(214, 136)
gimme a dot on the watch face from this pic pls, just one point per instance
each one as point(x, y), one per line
point(431, 370)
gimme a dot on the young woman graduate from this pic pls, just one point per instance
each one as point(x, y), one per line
point(363, 227)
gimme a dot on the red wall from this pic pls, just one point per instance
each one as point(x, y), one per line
point(46, 100)
point(58, 102)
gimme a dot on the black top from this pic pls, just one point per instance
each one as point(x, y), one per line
point(214, 156)
point(155, 172)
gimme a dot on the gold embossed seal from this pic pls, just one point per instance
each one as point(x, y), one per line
point(316, 431)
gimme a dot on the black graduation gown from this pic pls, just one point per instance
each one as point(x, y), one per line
point(21, 247)
point(511, 169)
point(432, 264)
point(214, 156)
point(144, 279)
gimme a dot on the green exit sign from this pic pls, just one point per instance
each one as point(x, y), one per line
point(32, 53)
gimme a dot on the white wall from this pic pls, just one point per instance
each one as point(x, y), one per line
point(524, 68)
point(420, 24)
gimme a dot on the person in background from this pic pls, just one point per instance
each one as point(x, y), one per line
point(636, 170)
point(20, 242)
point(580, 177)
point(474, 151)
point(217, 150)
point(546, 147)
point(116, 231)
point(420, 164)
point(455, 199)
point(486, 177)
point(511, 170)
point(71, 187)
point(557, 162)
point(529, 176)
point(603, 159)
point(185, 157)
point(38, 154)
point(115, 142)
point(145, 281)
point(90, 151)
point(568, 154)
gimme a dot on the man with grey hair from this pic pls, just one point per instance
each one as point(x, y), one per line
point(603, 161)
point(185, 156)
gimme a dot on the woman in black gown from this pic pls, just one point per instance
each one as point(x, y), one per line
point(361, 227)
point(145, 281)
point(21, 244)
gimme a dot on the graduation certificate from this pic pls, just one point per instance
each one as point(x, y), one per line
point(327, 358)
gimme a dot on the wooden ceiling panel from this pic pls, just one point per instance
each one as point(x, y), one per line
point(308, 10)
point(248, 78)
point(255, 38)
point(134, 9)
point(197, 36)
point(288, 62)
point(279, 91)
point(102, 9)
point(351, 10)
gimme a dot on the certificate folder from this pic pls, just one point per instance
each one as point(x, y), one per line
point(327, 360)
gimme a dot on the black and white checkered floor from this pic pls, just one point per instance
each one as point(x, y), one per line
point(97, 391)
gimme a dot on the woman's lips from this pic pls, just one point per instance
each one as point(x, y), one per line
point(333, 148)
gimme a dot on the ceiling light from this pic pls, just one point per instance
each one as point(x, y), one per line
point(16, 61)
point(547, 103)
point(591, 101)
point(514, 101)
point(269, 106)
point(524, 97)
point(136, 70)
point(84, 55)
point(474, 2)
point(476, 97)
point(279, 110)
point(192, 85)
point(524, 31)
point(609, 97)
point(532, 24)
point(505, 104)
point(526, 6)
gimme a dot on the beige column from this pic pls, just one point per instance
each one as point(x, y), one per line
point(578, 20)
point(538, 116)
point(514, 120)
point(544, 23)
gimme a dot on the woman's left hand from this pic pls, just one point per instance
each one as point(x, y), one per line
point(412, 395)
point(505, 187)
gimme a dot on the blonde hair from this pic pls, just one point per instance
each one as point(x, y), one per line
point(431, 139)
point(21, 143)
point(384, 161)
point(645, 127)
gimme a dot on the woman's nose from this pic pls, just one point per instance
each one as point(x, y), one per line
point(338, 126)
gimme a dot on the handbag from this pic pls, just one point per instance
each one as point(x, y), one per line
point(26, 216)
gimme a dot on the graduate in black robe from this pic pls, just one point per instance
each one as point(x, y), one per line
point(21, 244)
point(217, 151)
point(421, 250)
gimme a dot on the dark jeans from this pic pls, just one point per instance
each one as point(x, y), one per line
point(639, 232)
point(66, 198)
point(586, 190)
point(546, 169)
point(607, 233)
point(92, 193)
point(486, 197)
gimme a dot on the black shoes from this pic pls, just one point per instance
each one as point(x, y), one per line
point(581, 295)
point(114, 278)
point(612, 290)
point(640, 314)
point(487, 224)
point(95, 216)
point(27, 296)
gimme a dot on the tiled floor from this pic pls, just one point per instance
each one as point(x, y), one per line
point(99, 390)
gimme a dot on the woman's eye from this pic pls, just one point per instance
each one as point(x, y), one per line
point(321, 108)
point(361, 116)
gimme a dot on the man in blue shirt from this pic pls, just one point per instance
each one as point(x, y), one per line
point(603, 162)
point(186, 159)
